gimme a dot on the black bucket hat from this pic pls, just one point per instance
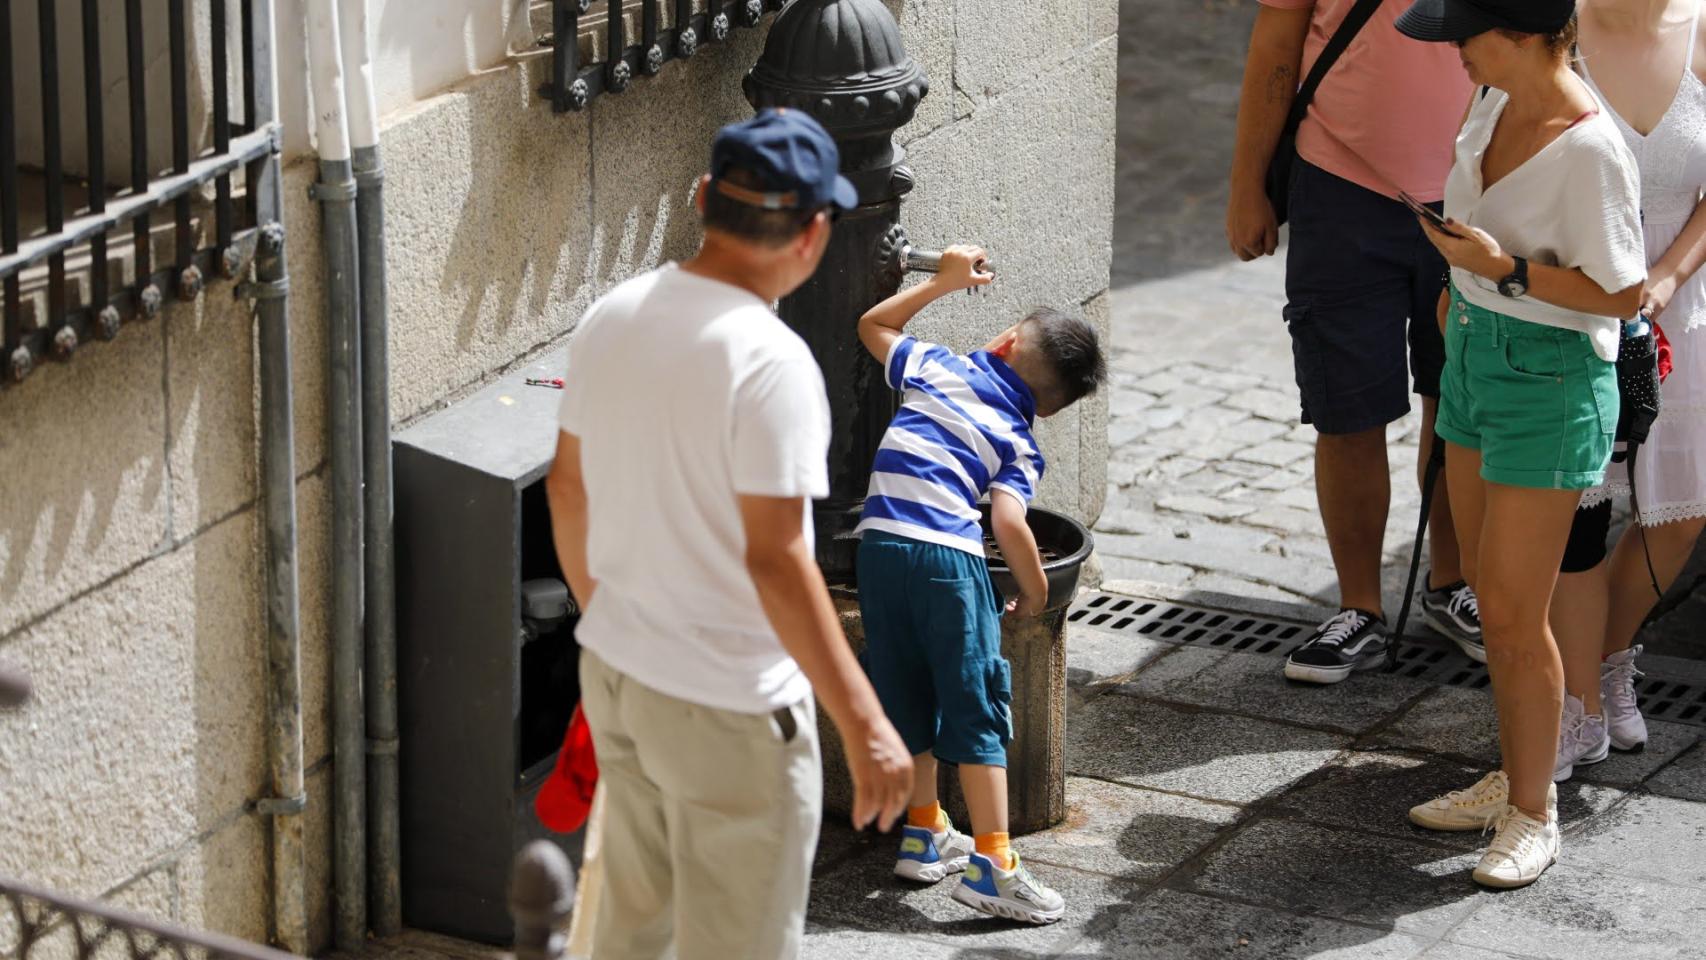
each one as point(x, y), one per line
point(1447, 21)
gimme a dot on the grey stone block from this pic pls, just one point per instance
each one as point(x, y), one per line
point(1392, 884)
point(1276, 453)
point(1216, 757)
point(1174, 925)
point(1685, 778)
point(1374, 792)
point(856, 888)
point(1125, 832)
point(1660, 838)
point(1287, 520)
point(1206, 506)
point(1665, 740)
point(1267, 403)
point(1573, 912)
point(1190, 396)
point(1230, 584)
point(1253, 684)
point(1127, 569)
point(1094, 655)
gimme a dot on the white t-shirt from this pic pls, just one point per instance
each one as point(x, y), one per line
point(1576, 203)
point(686, 392)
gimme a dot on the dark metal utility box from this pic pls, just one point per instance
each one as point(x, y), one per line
point(484, 700)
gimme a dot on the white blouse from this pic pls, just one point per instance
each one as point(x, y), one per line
point(1575, 204)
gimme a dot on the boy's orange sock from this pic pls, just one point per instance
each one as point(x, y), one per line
point(997, 847)
point(929, 816)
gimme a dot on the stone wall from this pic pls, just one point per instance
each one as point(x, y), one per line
point(130, 567)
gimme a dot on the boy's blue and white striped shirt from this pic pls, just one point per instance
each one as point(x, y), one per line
point(964, 428)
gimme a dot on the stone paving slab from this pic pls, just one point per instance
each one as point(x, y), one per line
point(1374, 792)
point(1460, 722)
point(1126, 832)
point(855, 887)
point(1575, 913)
point(1411, 887)
point(1198, 753)
point(1685, 778)
point(1253, 684)
point(1176, 925)
point(1658, 838)
point(1097, 656)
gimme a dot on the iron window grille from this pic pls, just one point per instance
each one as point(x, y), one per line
point(78, 237)
point(618, 55)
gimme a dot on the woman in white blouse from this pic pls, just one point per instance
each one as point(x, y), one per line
point(1645, 60)
point(1544, 240)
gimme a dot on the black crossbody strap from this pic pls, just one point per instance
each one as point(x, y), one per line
point(1341, 39)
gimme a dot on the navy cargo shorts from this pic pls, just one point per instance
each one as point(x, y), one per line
point(1362, 286)
point(933, 648)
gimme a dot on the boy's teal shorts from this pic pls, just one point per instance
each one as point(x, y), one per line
point(1537, 401)
point(933, 648)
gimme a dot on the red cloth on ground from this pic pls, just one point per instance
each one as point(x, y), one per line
point(565, 799)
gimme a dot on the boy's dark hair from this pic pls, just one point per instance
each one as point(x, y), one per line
point(1072, 350)
point(769, 228)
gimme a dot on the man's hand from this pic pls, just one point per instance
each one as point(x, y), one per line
point(882, 773)
point(959, 269)
point(1252, 229)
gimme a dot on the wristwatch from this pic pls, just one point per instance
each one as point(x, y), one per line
point(1516, 285)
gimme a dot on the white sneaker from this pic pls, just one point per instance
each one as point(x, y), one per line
point(1617, 689)
point(1522, 849)
point(1463, 810)
point(927, 856)
point(1582, 740)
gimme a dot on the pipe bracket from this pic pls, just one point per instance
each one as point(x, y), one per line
point(382, 748)
point(263, 289)
point(371, 178)
point(324, 192)
point(282, 806)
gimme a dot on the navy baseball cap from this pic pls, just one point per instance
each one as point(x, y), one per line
point(1453, 21)
point(793, 157)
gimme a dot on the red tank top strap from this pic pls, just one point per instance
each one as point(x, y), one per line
point(1586, 116)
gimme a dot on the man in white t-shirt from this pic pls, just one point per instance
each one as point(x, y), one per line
point(695, 433)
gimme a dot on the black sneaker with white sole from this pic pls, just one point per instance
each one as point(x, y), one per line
point(1454, 613)
point(1350, 641)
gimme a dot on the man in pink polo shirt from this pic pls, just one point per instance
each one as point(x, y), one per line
point(1362, 284)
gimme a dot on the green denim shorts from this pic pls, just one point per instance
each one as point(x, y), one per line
point(1537, 401)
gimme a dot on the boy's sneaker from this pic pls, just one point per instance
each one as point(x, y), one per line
point(1521, 850)
point(1617, 691)
point(1351, 640)
point(1583, 740)
point(1460, 811)
point(1454, 613)
point(1013, 894)
point(927, 855)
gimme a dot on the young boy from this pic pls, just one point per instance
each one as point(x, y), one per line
point(931, 613)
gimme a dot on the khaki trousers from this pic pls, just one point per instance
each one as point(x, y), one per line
point(710, 823)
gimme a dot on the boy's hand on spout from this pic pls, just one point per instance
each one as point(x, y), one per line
point(961, 268)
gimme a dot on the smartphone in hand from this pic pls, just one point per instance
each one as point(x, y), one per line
point(1432, 217)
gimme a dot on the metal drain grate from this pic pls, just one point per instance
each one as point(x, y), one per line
point(1426, 659)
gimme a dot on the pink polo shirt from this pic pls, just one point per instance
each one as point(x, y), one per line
point(1386, 116)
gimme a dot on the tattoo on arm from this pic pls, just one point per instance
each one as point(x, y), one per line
point(1282, 85)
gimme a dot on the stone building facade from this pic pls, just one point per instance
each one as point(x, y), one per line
point(131, 585)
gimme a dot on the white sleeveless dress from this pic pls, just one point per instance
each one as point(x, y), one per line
point(1670, 471)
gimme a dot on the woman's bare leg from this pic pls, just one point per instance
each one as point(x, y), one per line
point(1631, 587)
point(1580, 607)
point(1523, 533)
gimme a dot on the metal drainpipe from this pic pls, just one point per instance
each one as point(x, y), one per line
point(384, 844)
point(385, 905)
point(336, 194)
point(278, 509)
